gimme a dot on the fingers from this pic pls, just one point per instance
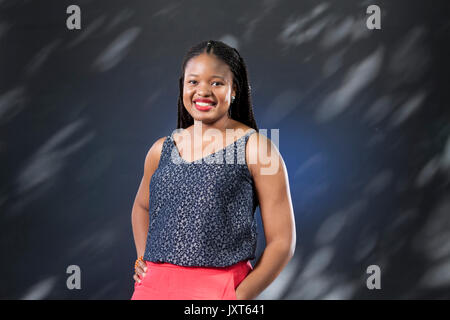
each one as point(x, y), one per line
point(143, 266)
point(138, 276)
point(140, 272)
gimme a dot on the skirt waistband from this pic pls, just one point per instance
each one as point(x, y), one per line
point(238, 265)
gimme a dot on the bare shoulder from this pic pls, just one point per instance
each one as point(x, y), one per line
point(263, 155)
point(154, 154)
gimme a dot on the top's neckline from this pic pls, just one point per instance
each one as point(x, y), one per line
point(211, 154)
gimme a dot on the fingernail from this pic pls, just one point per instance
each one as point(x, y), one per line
point(145, 269)
point(143, 274)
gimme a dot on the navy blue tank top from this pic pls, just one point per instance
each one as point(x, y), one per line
point(202, 212)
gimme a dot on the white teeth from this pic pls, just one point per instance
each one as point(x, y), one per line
point(203, 104)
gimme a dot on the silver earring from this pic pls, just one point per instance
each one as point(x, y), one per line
point(232, 99)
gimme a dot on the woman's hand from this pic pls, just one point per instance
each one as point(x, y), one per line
point(140, 271)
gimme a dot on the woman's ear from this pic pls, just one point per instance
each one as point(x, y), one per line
point(233, 91)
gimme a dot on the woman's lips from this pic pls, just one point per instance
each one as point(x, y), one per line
point(203, 107)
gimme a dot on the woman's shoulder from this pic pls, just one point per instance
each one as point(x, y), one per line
point(262, 152)
point(154, 153)
point(158, 144)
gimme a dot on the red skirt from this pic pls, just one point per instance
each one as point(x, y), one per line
point(166, 281)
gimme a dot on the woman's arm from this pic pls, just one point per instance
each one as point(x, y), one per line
point(139, 213)
point(272, 185)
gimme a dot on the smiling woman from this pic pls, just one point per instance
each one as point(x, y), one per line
point(214, 73)
point(200, 85)
point(193, 220)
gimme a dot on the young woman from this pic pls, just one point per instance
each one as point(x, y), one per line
point(193, 217)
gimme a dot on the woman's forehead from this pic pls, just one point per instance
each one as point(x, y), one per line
point(207, 64)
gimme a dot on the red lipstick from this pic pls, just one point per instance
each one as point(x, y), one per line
point(204, 104)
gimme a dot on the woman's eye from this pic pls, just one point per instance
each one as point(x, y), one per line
point(191, 81)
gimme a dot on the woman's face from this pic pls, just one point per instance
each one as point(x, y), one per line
point(207, 78)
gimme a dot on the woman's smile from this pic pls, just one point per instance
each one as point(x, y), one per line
point(203, 107)
point(204, 104)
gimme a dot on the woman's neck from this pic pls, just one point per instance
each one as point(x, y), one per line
point(202, 130)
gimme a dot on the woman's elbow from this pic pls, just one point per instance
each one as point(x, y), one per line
point(287, 246)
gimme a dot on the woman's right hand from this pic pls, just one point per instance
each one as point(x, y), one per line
point(140, 271)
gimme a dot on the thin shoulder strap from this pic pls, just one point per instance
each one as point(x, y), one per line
point(247, 135)
point(165, 152)
point(241, 148)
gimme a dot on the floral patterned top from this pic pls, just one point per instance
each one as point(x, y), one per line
point(202, 213)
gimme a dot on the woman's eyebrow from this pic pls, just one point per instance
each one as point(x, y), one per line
point(213, 76)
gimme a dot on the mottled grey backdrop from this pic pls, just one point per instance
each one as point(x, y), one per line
point(364, 131)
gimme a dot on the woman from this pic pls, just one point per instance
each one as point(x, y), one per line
point(193, 216)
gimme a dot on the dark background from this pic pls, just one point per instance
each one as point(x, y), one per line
point(363, 126)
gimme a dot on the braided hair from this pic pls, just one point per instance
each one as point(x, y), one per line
point(241, 108)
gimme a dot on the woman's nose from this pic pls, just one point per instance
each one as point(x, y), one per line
point(204, 89)
point(204, 93)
